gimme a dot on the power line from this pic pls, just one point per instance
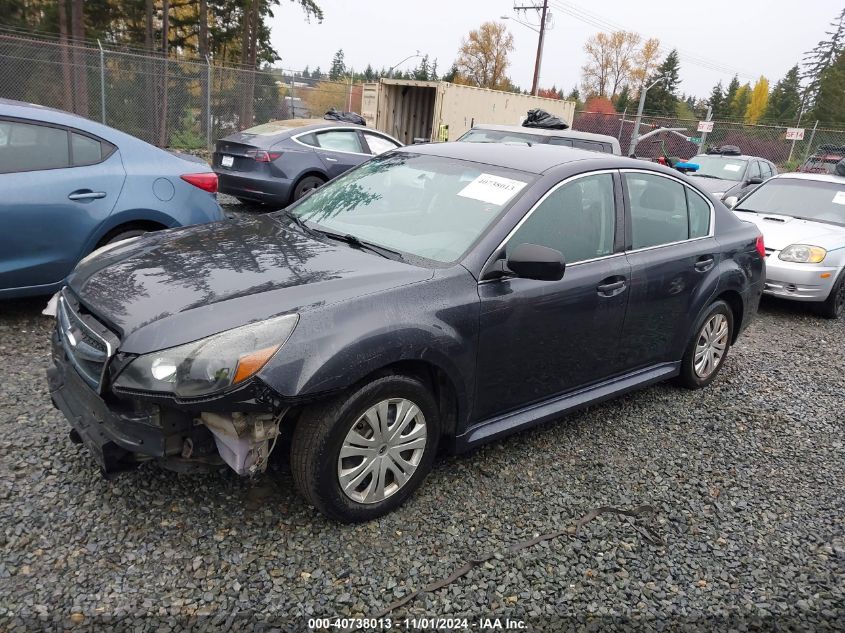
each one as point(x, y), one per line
point(600, 22)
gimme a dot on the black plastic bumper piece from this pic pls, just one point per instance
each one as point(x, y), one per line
point(117, 441)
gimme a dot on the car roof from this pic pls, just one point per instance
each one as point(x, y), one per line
point(795, 175)
point(296, 126)
point(539, 131)
point(535, 159)
point(740, 156)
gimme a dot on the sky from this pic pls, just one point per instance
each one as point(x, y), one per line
point(716, 39)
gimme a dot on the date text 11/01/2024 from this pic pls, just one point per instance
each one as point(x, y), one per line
point(412, 624)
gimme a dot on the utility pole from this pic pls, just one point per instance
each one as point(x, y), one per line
point(535, 85)
point(636, 133)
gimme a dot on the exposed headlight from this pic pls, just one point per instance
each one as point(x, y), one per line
point(107, 248)
point(802, 254)
point(210, 364)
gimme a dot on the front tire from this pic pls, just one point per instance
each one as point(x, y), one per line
point(362, 454)
point(708, 347)
point(834, 306)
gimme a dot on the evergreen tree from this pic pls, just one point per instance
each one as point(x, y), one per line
point(830, 98)
point(717, 101)
point(338, 67)
point(739, 104)
point(422, 71)
point(730, 95)
point(661, 99)
point(822, 57)
point(452, 74)
point(306, 74)
point(369, 73)
point(317, 73)
point(785, 100)
point(623, 99)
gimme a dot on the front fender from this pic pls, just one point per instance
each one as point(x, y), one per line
point(433, 322)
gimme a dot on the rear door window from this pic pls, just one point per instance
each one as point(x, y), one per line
point(85, 150)
point(32, 147)
point(340, 141)
point(378, 144)
point(557, 140)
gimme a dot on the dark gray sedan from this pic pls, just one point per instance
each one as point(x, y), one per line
point(281, 161)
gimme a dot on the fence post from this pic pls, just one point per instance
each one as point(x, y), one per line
point(704, 134)
point(292, 95)
point(102, 83)
point(622, 124)
point(810, 144)
point(208, 102)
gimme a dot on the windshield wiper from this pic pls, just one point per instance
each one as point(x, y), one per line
point(299, 222)
point(356, 242)
point(705, 176)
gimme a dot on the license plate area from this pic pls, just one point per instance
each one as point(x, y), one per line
point(227, 161)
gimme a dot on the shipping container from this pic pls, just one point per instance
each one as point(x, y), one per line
point(441, 111)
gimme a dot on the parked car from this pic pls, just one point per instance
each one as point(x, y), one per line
point(279, 162)
point(802, 217)
point(71, 185)
point(824, 159)
point(488, 133)
point(725, 171)
point(440, 295)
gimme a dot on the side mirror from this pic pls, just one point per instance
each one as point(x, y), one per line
point(730, 201)
point(532, 261)
point(756, 180)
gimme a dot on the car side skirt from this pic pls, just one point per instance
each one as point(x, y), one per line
point(540, 412)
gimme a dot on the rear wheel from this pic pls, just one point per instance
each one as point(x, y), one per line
point(364, 453)
point(306, 186)
point(708, 347)
point(834, 306)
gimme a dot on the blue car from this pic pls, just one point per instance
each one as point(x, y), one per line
point(69, 186)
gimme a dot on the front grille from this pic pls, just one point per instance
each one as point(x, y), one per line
point(88, 343)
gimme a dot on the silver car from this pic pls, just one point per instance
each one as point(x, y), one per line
point(802, 218)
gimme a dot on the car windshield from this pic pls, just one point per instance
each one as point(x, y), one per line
point(807, 199)
point(478, 135)
point(427, 206)
point(724, 167)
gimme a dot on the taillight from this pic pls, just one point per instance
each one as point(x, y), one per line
point(263, 156)
point(761, 246)
point(207, 181)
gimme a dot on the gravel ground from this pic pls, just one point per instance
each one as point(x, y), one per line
point(746, 478)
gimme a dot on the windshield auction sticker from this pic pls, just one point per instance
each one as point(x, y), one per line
point(492, 189)
point(839, 198)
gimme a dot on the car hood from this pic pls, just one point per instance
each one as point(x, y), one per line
point(176, 286)
point(779, 231)
point(713, 185)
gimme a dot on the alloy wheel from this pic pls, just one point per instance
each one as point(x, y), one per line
point(382, 450)
point(839, 305)
point(711, 345)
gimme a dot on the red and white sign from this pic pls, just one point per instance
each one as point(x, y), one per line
point(795, 134)
point(705, 126)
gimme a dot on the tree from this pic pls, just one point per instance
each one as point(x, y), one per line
point(830, 104)
point(661, 99)
point(548, 93)
point(730, 95)
point(785, 100)
point(599, 105)
point(739, 104)
point(822, 57)
point(645, 63)
point(717, 101)
point(338, 68)
point(623, 99)
point(757, 101)
point(483, 57)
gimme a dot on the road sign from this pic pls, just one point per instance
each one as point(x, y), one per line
point(705, 126)
point(795, 134)
point(694, 139)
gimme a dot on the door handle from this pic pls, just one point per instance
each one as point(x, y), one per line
point(612, 288)
point(705, 263)
point(86, 194)
point(330, 159)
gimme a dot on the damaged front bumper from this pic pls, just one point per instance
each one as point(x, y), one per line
point(121, 433)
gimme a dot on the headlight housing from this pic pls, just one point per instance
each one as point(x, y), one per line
point(210, 364)
point(802, 254)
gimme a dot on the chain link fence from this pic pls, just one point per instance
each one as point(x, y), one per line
point(766, 141)
point(169, 102)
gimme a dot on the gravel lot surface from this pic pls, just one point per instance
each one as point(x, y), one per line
point(746, 478)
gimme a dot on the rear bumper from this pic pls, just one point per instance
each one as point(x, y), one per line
point(252, 187)
point(799, 282)
point(117, 440)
